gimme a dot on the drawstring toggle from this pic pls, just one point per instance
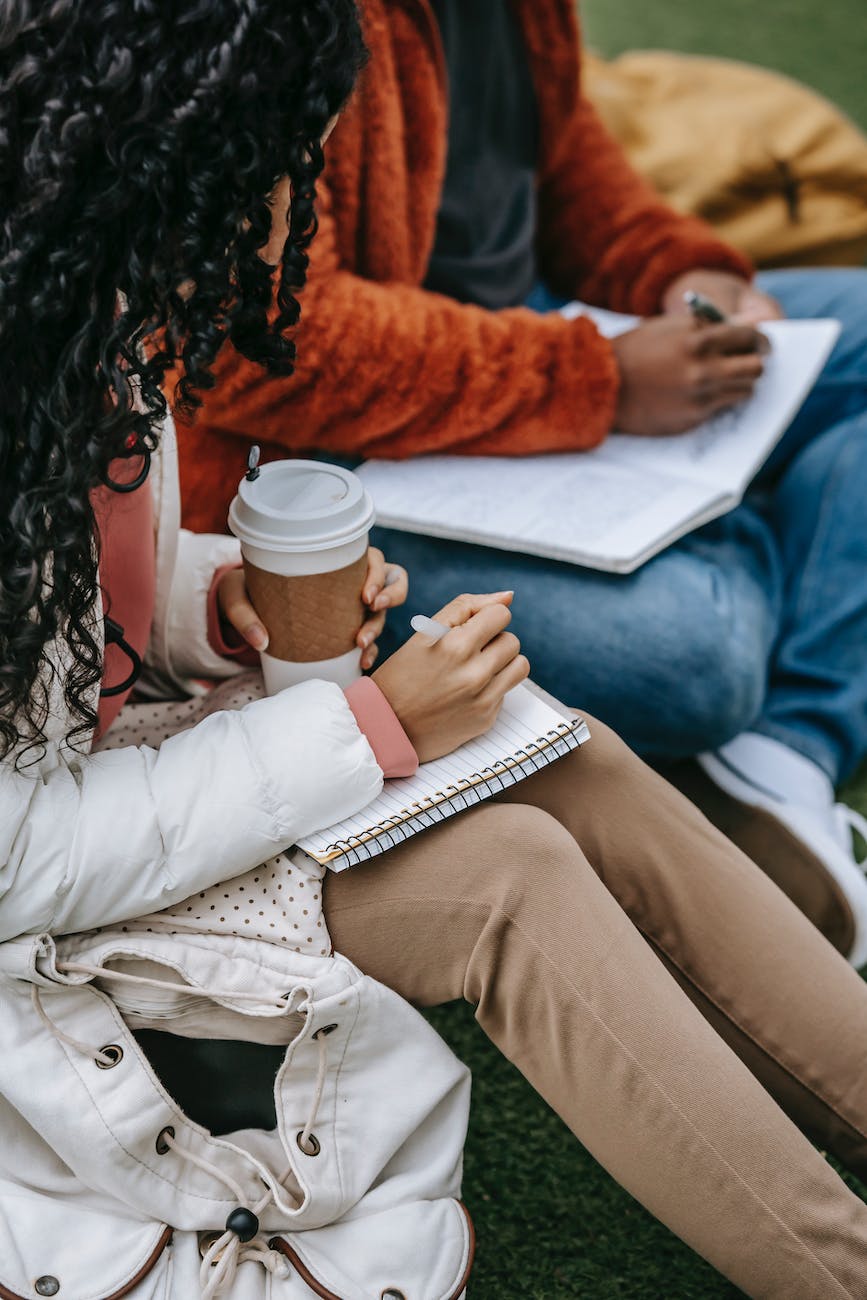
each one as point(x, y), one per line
point(243, 1223)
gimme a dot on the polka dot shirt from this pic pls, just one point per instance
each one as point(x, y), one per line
point(279, 901)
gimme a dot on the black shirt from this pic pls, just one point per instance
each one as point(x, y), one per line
point(485, 239)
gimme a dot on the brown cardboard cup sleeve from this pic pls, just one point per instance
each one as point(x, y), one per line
point(311, 617)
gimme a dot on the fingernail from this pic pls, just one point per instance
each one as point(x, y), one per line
point(369, 594)
point(364, 640)
point(381, 601)
point(257, 636)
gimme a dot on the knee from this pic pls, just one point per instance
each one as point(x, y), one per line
point(719, 690)
point(528, 852)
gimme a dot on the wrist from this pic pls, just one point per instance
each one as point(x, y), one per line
point(724, 288)
point(392, 747)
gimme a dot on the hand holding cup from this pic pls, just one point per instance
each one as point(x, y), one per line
point(385, 587)
point(303, 527)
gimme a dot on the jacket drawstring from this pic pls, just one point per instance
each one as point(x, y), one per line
point(101, 972)
point(101, 1057)
point(220, 1262)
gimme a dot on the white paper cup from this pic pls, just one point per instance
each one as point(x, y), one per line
point(303, 528)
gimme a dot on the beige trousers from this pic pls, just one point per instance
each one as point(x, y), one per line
point(651, 984)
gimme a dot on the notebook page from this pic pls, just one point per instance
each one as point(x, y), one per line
point(523, 719)
point(727, 451)
point(591, 508)
point(613, 507)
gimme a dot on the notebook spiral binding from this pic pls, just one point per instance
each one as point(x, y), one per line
point(394, 830)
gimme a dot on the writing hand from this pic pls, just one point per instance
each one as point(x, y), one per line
point(736, 298)
point(676, 372)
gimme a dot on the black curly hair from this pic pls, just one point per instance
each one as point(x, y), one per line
point(139, 143)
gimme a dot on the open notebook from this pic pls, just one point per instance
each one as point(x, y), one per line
point(528, 735)
point(615, 507)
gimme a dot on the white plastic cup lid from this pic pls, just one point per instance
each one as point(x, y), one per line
point(301, 505)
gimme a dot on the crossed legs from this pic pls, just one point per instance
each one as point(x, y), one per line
point(647, 979)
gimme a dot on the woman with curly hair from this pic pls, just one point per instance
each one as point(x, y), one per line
point(188, 1106)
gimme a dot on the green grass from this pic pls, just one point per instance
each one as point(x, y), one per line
point(822, 42)
point(551, 1224)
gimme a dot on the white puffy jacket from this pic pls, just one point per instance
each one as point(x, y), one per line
point(106, 1188)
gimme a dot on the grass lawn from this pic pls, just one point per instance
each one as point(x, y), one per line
point(821, 42)
point(551, 1224)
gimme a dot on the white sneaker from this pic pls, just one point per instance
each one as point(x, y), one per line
point(763, 774)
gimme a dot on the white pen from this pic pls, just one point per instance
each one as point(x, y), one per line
point(429, 627)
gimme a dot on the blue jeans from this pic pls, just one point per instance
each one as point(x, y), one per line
point(758, 620)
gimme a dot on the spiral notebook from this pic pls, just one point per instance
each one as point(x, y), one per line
point(527, 736)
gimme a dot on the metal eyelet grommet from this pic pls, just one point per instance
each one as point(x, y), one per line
point(46, 1285)
point(115, 1055)
point(313, 1148)
point(161, 1145)
point(325, 1031)
point(392, 1293)
point(206, 1241)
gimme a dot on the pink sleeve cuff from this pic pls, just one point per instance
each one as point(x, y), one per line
point(223, 640)
point(378, 721)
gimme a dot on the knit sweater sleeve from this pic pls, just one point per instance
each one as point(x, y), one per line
point(605, 235)
point(388, 369)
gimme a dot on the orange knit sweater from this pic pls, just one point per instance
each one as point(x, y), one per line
point(388, 369)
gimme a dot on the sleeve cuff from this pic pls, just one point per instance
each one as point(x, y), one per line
point(378, 721)
point(224, 641)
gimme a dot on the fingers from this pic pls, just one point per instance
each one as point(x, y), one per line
point(395, 588)
point(729, 375)
point(386, 585)
point(375, 580)
point(475, 634)
point(460, 610)
point(727, 340)
point(500, 652)
point(755, 307)
point(740, 369)
point(506, 680)
point(726, 376)
point(235, 608)
point(371, 631)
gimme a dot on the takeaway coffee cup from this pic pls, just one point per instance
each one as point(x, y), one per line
point(303, 528)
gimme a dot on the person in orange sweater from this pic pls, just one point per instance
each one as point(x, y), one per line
point(468, 171)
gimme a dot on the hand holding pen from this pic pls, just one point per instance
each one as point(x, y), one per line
point(447, 683)
point(679, 370)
